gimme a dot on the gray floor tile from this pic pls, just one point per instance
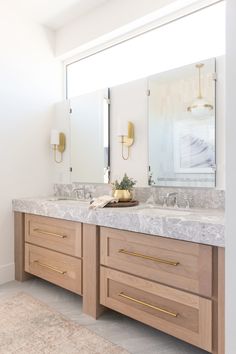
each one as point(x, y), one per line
point(134, 336)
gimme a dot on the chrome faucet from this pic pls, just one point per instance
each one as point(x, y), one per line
point(166, 200)
point(187, 201)
point(78, 192)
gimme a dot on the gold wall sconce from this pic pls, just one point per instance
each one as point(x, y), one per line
point(58, 142)
point(127, 140)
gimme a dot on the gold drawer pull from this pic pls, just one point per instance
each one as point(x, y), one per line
point(50, 267)
point(154, 259)
point(173, 314)
point(49, 233)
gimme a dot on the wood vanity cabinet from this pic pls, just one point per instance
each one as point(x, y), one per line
point(181, 264)
point(171, 285)
point(53, 251)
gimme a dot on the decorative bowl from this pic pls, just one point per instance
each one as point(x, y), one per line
point(123, 195)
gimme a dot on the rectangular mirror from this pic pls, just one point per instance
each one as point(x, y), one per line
point(181, 121)
point(89, 137)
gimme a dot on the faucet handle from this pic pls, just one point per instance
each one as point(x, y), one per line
point(187, 200)
point(175, 202)
point(77, 190)
point(89, 196)
point(165, 201)
point(172, 194)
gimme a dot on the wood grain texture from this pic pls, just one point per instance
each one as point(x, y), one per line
point(200, 270)
point(193, 322)
point(56, 234)
point(19, 251)
point(38, 259)
point(219, 301)
point(193, 272)
point(91, 274)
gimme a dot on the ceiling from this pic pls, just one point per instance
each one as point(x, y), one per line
point(53, 13)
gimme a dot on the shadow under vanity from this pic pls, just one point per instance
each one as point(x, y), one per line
point(163, 267)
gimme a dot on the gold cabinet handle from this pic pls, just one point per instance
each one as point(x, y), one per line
point(173, 314)
point(40, 231)
point(154, 259)
point(50, 267)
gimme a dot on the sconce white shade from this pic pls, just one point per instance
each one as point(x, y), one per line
point(55, 137)
point(122, 128)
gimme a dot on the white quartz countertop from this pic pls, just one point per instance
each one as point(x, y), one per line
point(195, 225)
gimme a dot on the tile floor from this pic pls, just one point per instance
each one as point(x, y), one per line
point(135, 337)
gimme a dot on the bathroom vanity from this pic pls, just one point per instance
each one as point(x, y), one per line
point(164, 268)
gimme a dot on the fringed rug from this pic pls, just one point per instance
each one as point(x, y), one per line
point(28, 326)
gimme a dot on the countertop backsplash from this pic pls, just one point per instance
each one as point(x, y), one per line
point(206, 198)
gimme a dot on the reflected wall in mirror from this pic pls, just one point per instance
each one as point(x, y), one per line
point(182, 126)
point(89, 133)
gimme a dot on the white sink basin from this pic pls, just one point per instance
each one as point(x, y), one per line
point(67, 200)
point(170, 211)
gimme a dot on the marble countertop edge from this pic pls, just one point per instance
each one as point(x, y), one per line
point(204, 226)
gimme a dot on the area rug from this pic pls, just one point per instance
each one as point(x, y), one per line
point(28, 326)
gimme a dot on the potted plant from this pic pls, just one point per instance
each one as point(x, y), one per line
point(123, 190)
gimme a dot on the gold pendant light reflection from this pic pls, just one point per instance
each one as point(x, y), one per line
point(200, 107)
point(127, 141)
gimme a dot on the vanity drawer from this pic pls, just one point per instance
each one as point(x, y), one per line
point(56, 234)
point(55, 267)
point(181, 264)
point(183, 315)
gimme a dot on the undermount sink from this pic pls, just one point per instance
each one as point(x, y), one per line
point(172, 211)
point(61, 199)
point(159, 209)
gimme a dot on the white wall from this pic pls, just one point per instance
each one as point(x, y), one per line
point(104, 19)
point(30, 84)
point(230, 177)
point(129, 103)
point(106, 23)
point(61, 122)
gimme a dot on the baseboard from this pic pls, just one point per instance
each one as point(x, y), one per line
point(7, 273)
